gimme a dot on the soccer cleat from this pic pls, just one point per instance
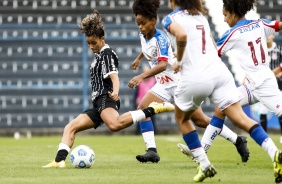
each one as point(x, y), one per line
point(201, 175)
point(53, 164)
point(186, 151)
point(242, 148)
point(277, 164)
point(148, 156)
point(162, 107)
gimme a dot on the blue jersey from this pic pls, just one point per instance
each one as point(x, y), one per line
point(247, 41)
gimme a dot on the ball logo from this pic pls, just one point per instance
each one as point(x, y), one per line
point(81, 152)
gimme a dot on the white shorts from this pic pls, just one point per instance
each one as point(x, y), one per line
point(163, 93)
point(221, 90)
point(267, 93)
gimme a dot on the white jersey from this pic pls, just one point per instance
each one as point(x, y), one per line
point(247, 40)
point(200, 59)
point(158, 48)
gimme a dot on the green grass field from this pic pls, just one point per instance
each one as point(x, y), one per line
point(21, 162)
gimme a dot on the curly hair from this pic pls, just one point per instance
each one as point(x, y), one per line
point(146, 8)
point(92, 25)
point(239, 7)
point(194, 7)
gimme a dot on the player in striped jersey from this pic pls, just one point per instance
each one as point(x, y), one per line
point(157, 49)
point(105, 90)
point(203, 74)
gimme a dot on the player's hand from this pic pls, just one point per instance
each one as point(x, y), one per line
point(135, 81)
point(176, 67)
point(135, 64)
point(114, 96)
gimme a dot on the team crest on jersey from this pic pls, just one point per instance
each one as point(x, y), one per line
point(154, 53)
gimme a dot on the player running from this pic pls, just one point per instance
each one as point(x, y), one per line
point(157, 49)
point(197, 55)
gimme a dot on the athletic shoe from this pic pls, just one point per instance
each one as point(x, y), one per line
point(148, 156)
point(277, 164)
point(208, 172)
point(186, 151)
point(53, 164)
point(162, 107)
point(242, 148)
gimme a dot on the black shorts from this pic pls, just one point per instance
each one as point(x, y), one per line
point(102, 102)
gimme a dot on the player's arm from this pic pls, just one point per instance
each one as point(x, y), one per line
point(160, 67)
point(181, 41)
point(136, 63)
point(280, 25)
point(277, 71)
point(115, 80)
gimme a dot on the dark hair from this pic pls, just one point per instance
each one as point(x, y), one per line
point(194, 7)
point(239, 7)
point(92, 25)
point(146, 8)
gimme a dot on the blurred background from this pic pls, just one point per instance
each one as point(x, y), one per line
point(44, 77)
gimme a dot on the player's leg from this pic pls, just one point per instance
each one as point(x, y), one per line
point(187, 99)
point(271, 98)
point(241, 120)
point(263, 115)
point(80, 123)
point(147, 129)
point(116, 122)
point(201, 120)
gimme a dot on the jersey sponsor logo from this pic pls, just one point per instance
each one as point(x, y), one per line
point(249, 28)
point(164, 79)
point(162, 42)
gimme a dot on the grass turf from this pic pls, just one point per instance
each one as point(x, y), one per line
point(21, 162)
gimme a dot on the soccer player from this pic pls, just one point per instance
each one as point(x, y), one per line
point(197, 55)
point(157, 49)
point(274, 58)
point(105, 90)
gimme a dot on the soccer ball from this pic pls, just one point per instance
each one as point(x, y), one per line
point(82, 156)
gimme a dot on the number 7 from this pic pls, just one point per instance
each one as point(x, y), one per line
point(202, 28)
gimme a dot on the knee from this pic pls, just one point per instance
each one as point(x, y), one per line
point(141, 106)
point(69, 128)
point(201, 122)
point(114, 127)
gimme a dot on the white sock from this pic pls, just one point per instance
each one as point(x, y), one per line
point(209, 135)
point(269, 147)
point(137, 115)
point(228, 134)
point(149, 139)
point(200, 155)
point(64, 146)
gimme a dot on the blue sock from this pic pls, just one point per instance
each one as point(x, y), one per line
point(146, 126)
point(258, 134)
point(192, 140)
point(217, 122)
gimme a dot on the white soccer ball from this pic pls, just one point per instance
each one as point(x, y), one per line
point(82, 156)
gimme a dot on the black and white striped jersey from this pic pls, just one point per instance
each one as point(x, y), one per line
point(275, 56)
point(275, 60)
point(104, 63)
